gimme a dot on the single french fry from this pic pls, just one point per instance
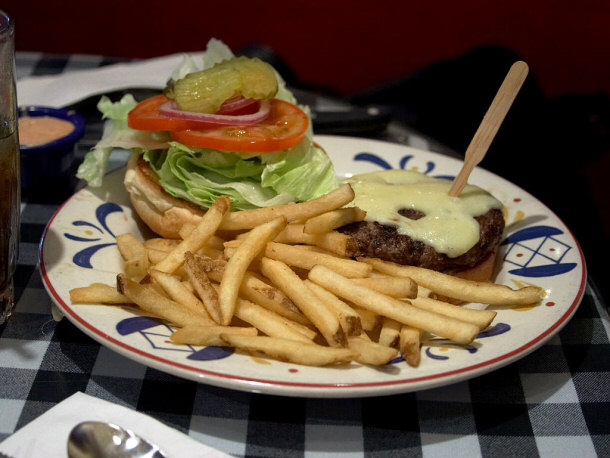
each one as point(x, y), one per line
point(401, 311)
point(311, 306)
point(200, 281)
point(208, 335)
point(134, 255)
point(259, 292)
point(215, 242)
point(301, 324)
point(410, 345)
point(333, 219)
point(307, 331)
point(98, 293)
point(248, 219)
point(306, 259)
point(254, 264)
point(333, 241)
point(210, 252)
point(129, 246)
point(149, 300)
point(372, 353)
point(292, 351)
point(234, 271)
point(186, 230)
point(198, 238)
point(161, 244)
point(369, 319)
point(391, 286)
point(348, 317)
point(390, 333)
point(213, 267)
point(266, 321)
point(481, 318)
point(459, 288)
point(137, 268)
point(155, 256)
point(176, 290)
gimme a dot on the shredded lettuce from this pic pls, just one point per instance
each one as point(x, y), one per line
point(201, 175)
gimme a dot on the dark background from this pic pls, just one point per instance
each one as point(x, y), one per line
point(436, 64)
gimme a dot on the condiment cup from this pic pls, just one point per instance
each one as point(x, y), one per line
point(50, 162)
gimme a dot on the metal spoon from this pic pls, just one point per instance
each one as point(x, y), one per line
point(95, 439)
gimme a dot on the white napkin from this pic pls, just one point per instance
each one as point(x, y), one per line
point(48, 434)
point(67, 88)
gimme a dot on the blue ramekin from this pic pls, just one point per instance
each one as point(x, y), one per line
point(49, 162)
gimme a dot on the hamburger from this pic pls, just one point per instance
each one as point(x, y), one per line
point(411, 220)
point(231, 128)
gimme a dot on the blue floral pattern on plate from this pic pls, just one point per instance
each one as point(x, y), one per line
point(83, 257)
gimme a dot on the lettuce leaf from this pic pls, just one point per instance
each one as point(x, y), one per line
point(116, 135)
point(201, 175)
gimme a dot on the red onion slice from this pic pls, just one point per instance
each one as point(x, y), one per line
point(171, 110)
point(234, 104)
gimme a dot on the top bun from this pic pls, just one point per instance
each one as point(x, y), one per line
point(162, 212)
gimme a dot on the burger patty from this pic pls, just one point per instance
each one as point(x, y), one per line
point(375, 240)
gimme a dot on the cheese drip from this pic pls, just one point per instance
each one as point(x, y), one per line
point(448, 225)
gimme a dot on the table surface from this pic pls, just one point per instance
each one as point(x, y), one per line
point(554, 402)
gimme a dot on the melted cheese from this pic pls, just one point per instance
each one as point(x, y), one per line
point(448, 225)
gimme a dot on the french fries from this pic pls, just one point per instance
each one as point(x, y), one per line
point(333, 219)
point(306, 259)
point(151, 301)
point(268, 322)
point(134, 255)
point(311, 306)
point(202, 284)
point(450, 328)
point(248, 219)
point(350, 319)
point(233, 275)
point(198, 237)
point(333, 241)
point(410, 345)
point(208, 335)
point(292, 351)
point(287, 288)
point(178, 292)
point(98, 293)
point(458, 288)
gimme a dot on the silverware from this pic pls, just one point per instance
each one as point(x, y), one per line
point(95, 439)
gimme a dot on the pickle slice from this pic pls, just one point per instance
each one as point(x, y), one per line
point(205, 91)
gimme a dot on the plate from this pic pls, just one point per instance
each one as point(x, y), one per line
point(78, 248)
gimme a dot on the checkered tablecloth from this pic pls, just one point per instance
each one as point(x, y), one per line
point(554, 402)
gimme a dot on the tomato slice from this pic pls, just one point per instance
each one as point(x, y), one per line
point(285, 127)
point(146, 116)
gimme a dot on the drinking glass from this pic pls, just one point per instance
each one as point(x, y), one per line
point(10, 197)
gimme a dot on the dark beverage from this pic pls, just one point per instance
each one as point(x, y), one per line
point(9, 217)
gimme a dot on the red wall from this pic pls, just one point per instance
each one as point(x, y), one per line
point(345, 45)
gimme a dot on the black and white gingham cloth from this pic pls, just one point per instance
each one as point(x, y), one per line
point(554, 402)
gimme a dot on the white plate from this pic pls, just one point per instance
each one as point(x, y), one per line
point(78, 249)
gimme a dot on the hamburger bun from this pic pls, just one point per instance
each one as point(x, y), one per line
point(162, 212)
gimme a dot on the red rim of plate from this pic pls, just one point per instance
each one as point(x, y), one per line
point(467, 370)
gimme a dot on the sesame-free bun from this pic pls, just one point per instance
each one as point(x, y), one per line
point(162, 212)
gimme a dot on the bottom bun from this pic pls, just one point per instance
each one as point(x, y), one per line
point(162, 212)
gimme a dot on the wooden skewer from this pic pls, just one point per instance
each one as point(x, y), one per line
point(491, 123)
